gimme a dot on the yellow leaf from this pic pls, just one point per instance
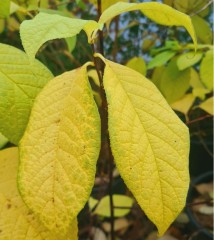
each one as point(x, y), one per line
point(52, 26)
point(184, 104)
point(207, 105)
point(59, 150)
point(188, 59)
point(16, 221)
point(138, 64)
point(160, 13)
point(149, 142)
point(206, 70)
point(20, 82)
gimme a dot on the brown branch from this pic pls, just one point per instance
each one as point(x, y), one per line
point(99, 66)
point(198, 119)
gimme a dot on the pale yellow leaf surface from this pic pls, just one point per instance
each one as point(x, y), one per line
point(184, 104)
point(149, 142)
point(16, 221)
point(59, 150)
point(207, 105)
point(52, 26)
point(159, 13)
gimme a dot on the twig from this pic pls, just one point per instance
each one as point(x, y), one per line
point(198, 119)
point(99, 65)
point(199, 203)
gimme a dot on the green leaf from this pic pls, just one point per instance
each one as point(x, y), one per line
point(169, 45)
point(184, 104)
point(20, 82)
point(143, 128)
point(161, 59)
point(3, 141)
point(4, 8)
point(206, 70)
point(52, 26)
point(188, 59)
point(174, 83)
point(16, 220)
point(195, 81)
point(59, 150)
point(207, 105)
point(138, 64)
point(156, 76)
point(198, 88)
point(202, 29)
point(159, 13)
point(71, 43)
point(103, 207)
point(200, 92)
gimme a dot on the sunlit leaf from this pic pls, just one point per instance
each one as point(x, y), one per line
point(16, 220)
point(59, 150)
point(174, 83)
point(161, 59)
point(51, 26)
point(143, 128)
point(202, 29)
point(159, 13)
point(207, 105)
point(184, 104)
point(206, 70)
point(103, 207)
point(138, 64)
point(188, 59)
point(20, 82)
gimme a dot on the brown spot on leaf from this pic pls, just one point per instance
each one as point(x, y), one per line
point(9, 206)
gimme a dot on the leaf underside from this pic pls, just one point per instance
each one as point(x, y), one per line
point(51, 26)
point(59, 150)
point(149, 143)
